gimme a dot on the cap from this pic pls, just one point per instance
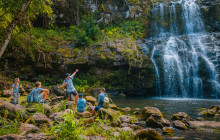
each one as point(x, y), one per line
point(67, 74)
point(80, 95)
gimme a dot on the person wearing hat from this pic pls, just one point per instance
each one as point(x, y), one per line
point(70, 89)
point(81, 104)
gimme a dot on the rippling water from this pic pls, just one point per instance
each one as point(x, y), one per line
point(168, 106)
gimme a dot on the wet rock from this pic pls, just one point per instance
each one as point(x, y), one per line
point(12, 137)
point(207, 113)
point(168, 131)
point(122, 95)
point(84, 114)
point(156, 121)
point(150, 134)
point(205, 124)
point(215, 108)
point(91, 99)
point(179, 125)
point(127, 109)
point(200, 119)
point(26, 128)
point(217, 117)
point(148, 111)
point(6, 93)
point(107, 113)
point(180, 116)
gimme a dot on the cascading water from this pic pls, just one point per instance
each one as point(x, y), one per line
point(185, 57)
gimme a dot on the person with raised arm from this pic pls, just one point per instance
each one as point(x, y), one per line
point(70, 89)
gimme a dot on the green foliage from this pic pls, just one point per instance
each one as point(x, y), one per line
point(8, 127)
point(67, 130)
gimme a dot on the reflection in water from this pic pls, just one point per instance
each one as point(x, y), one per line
point(168, 106)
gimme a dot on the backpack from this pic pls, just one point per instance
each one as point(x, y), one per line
point(80, 105)
point(30, 98)
point(106, 102)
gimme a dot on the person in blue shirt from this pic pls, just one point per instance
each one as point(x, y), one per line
point(38, 94)
point(70, 89)
point(15, 91)
point(101, 98)
point(81, 104)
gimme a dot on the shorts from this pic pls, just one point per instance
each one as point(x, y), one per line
point(38, 98)
point(97, 108)
point(68, 94)
point(15, 98)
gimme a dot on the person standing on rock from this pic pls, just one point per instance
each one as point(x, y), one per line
point(15, 91)
point(101, 98)
point(38, 94)
point(81, 104)
point(70, 89)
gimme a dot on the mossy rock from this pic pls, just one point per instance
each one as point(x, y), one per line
point(208, 113)
point(107, 114)
point(148, 111)
point(179, 125)
point(180, 116)
point(91, 99)
point(149, 134)
point(168, 131)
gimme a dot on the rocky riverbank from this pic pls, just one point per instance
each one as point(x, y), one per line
point(58, 119)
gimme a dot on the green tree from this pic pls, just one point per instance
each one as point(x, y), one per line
point(16, 13)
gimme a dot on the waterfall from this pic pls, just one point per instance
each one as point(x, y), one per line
point(185, 56)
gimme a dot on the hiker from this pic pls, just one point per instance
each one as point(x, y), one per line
point(81, 104)
point(70, 89)
point(15, 91)
point(38, 94)
point(101, 100)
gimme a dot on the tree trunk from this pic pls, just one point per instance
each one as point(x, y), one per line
point(12, 27)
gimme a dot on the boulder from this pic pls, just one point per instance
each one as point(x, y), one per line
point(113, 106)
point(58, 90)
point(84, 114)
point(57, 99)
point(154, 122)
point(148, 111)
point(57, 106)
point(56, 117)
point(215, 108)
point(217, 117)
point(149, 134)
point(26, 128)
point(12, 137)
point(168, 131)
point(107, 113)
point(39, 119)
point(205, 124)
point(127, 109)
point(40, 136)
point(180, 116)
point(6, 93)
point(89, 120)
point(125, 125)
point(70, 104)
point(207, 113)
point(127, 129)
point(126, 119)
point(179, 125)
point(91, 99)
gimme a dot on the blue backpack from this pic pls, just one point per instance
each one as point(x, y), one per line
point(30, 98)
point(81, 104)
